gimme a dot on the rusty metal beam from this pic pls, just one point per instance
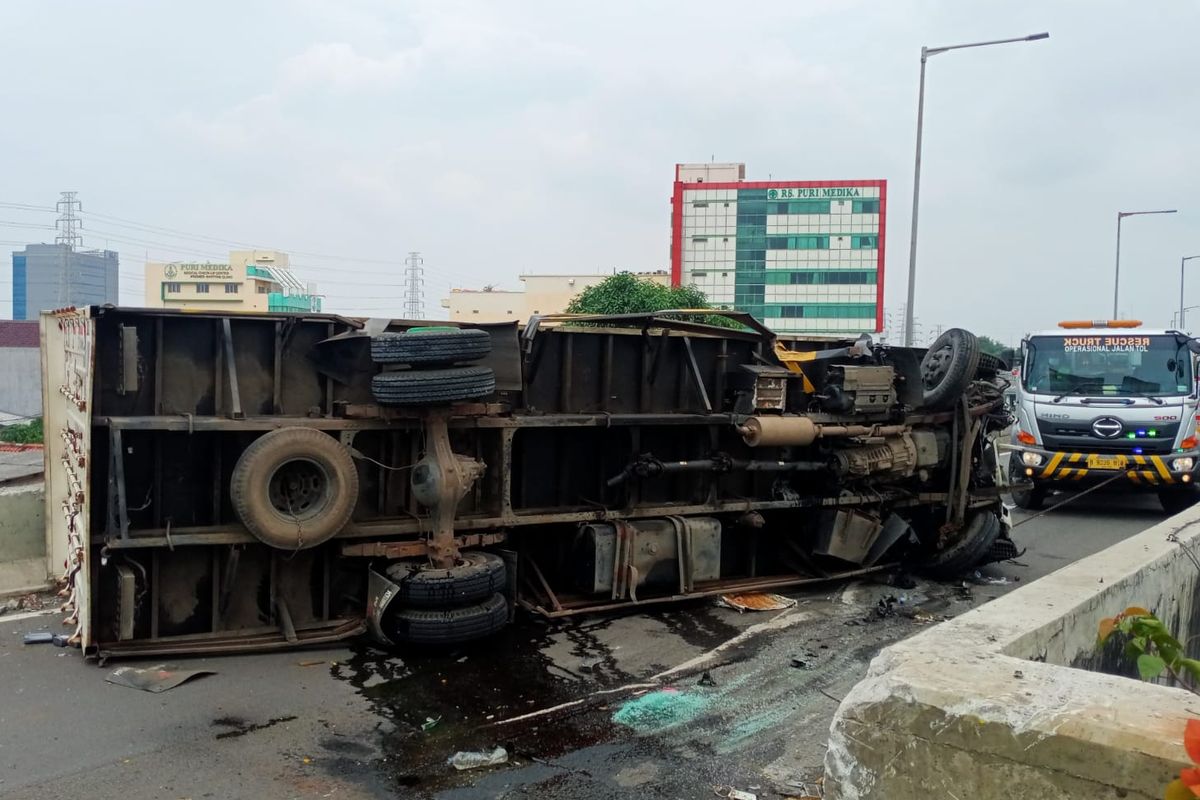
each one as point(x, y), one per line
point(573, 607)
point(417, 548)
point(191, 536)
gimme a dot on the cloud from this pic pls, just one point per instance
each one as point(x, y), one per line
point(338, 65)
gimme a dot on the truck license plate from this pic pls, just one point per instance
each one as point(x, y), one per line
point(1105, 462)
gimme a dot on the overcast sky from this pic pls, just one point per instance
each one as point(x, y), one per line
point(507, 137)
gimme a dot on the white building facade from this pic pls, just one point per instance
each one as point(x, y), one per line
point(801, 256)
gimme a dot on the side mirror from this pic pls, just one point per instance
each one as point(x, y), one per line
point(1193, 345)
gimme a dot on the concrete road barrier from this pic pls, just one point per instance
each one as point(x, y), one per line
point(23, 566)
point(1001, 702)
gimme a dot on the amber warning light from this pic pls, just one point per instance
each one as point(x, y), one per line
point(1101, 323)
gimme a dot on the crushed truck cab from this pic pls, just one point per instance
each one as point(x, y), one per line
point(1106, 402)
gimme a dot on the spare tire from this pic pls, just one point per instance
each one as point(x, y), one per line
point(972, 547)
point(477, 576)
point(948, 367)
point(417, 387)
point(445, 626)
point(431, 346)
point(294, 488)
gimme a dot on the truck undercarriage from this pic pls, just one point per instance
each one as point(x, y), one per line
point(226, 482)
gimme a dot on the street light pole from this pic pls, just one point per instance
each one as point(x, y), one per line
point(1182, 261)
point(912, 241)
point(1117, 279)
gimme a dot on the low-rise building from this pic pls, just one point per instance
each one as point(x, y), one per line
point(543, 294)
point(253, 280)
point(20, 370)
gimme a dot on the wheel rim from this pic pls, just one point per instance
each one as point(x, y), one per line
point(935, 365)
point(300, 488)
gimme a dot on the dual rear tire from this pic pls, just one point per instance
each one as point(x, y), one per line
point(435, 375)
point(447, 606)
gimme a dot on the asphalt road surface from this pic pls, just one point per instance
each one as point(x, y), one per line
point(748, 703)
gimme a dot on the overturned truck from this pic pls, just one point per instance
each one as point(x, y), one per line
point(228, 482)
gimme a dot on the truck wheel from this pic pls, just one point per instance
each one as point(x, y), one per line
point(969, 550)
point(447, 626)
point(1025, 492)
point(479, 576)
point(431, 346)
point(294, 488)
point(417, 387)
point(1178, 499)
point(948, 367)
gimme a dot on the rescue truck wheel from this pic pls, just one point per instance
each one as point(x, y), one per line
point(446, 626)
point(1178, 499)
point(478, 576)
point(431, 346)
point(294, 488)
point(948, 367)
point(418, 387)
point(972, 547)
point(1026, 494)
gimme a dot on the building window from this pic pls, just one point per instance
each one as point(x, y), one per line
point(474, 310)
point(232, 288)
point(864, 242)
point(171, 288)
point(201, 288)
point(700, 239)
point(263, 289)
point(699, 204)
point(865, 207)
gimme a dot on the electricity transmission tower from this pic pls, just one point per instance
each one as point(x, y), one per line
point(68, 226)
point(414, 286)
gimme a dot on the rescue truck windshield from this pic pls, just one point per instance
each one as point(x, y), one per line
point(1108, 365)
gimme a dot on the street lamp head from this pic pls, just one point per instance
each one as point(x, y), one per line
point(1033, 37)
point(1123, 214)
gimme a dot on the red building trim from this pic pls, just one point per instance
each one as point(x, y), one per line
point(879, 262)
point(677, 231)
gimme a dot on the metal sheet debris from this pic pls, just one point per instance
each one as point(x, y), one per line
point(756, 601)
point(154, 679)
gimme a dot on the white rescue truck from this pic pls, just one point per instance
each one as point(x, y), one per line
point(1106, 401)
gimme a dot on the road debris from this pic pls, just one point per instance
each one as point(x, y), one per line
point(38, 637)
point(481, 758)
point(706, 680)
point(733, 794)
point(154, 679)
point(985, 580)
point(430, 723)
point(311, 663)
point(655, 711)
point(886, 607)
point(756, 601)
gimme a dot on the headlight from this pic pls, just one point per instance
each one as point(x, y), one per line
point(1033, 459)
point(1183, 464)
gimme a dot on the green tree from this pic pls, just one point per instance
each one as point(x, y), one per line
point(625, 293)
point(23, 433)
point(989, 345)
